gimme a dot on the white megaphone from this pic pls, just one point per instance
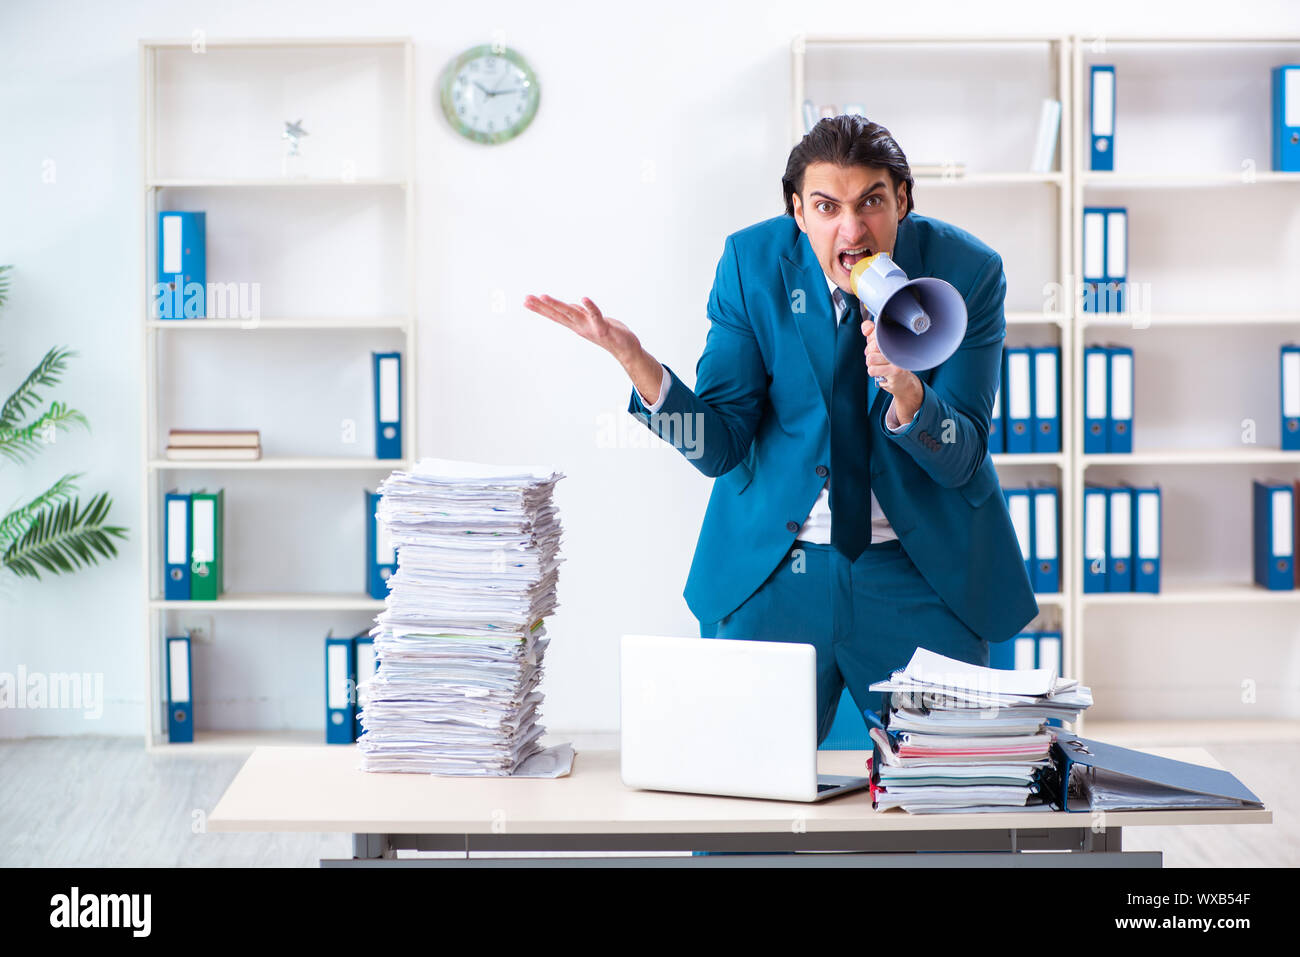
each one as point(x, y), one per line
point(919, 322)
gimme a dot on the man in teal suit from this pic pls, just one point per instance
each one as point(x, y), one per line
point(793, 396)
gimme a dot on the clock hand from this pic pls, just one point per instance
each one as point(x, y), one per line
point(487, 92)
point(500, 80)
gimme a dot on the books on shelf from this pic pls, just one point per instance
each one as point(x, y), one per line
point(381, 556)
point(461, 641)
point(387, 369)
point(1289, 393)
point(812, 112)
point(1035, 516)
point(213, 438)
point(1107, 399)
point(1274, 534)
point(215, 454)
point(1105, 258)
point(349, 664)
point(216, 444)
point(180, 289)
point(1286, 118)
point(193, 545)
point(1026, 414)
point(1122, 528)
point(1101, 118)
point(940, 170)
point(177, 693)
point(1049, 125)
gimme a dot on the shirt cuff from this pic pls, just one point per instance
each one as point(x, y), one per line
point(664, 383)
point(891, 420)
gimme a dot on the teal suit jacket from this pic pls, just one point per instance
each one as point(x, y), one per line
point(761, 426)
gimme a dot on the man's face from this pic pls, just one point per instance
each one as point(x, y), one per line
point(845, 210)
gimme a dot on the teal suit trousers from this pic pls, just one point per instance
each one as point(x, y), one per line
point(865, 618)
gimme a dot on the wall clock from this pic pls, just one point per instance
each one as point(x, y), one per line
point(489, 93)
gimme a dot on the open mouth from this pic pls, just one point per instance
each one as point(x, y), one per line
point(848, 257)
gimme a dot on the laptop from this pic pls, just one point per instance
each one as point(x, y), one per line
point(721, 716)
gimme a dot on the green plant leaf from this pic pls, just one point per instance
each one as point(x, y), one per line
point(25, 398)
point(62, 538)
point(21, 444)
point(15, 523)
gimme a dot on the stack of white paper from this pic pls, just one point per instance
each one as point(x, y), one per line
point(461, 640)
point(965, 738)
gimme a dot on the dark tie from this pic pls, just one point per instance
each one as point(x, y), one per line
point(850, 437)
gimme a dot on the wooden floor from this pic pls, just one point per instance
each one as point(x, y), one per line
point(105, 802)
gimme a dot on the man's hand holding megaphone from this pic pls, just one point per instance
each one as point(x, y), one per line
point(922, 322)
point(904, 386)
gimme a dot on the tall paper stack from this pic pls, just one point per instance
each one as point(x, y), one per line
point(960, 737)
point(461, 640)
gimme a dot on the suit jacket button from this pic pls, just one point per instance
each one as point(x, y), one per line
point(822, 470)
point(792, 526)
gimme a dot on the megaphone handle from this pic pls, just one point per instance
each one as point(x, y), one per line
point(880, 380)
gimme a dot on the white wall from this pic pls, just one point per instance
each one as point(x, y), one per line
point(661, 129)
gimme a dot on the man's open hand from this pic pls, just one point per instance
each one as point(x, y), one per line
point(589, 322)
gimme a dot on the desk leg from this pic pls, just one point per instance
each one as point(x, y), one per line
point(1107, 839)
point(369, 847)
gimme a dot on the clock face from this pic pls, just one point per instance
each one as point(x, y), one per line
point(489, 94)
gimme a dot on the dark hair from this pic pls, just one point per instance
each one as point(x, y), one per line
point(846, 140)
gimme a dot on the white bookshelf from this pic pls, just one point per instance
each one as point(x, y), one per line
point(276, 182)
point(1227, 456)
point(331, 242)
point(990, 179)
point(1207, 595)
point(1168, 180)
point(1037, 319)
point(1218, 320)
point(276, 601)
point(274, 463)
point(248, 325)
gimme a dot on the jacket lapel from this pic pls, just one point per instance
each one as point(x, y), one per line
point(811, 308)
point(907, 250)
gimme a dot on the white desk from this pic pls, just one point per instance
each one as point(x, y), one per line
point(320, 789)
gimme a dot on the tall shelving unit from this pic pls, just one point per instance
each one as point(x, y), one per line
point(332, 243)
point(919, 87)
point(1171, 155)
point(1192, 202)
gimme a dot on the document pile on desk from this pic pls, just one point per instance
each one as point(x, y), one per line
point(960, 738)
point(461, 640)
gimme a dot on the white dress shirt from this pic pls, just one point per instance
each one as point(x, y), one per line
point(817, 526)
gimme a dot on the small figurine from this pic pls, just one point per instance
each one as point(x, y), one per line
point(293, 132)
